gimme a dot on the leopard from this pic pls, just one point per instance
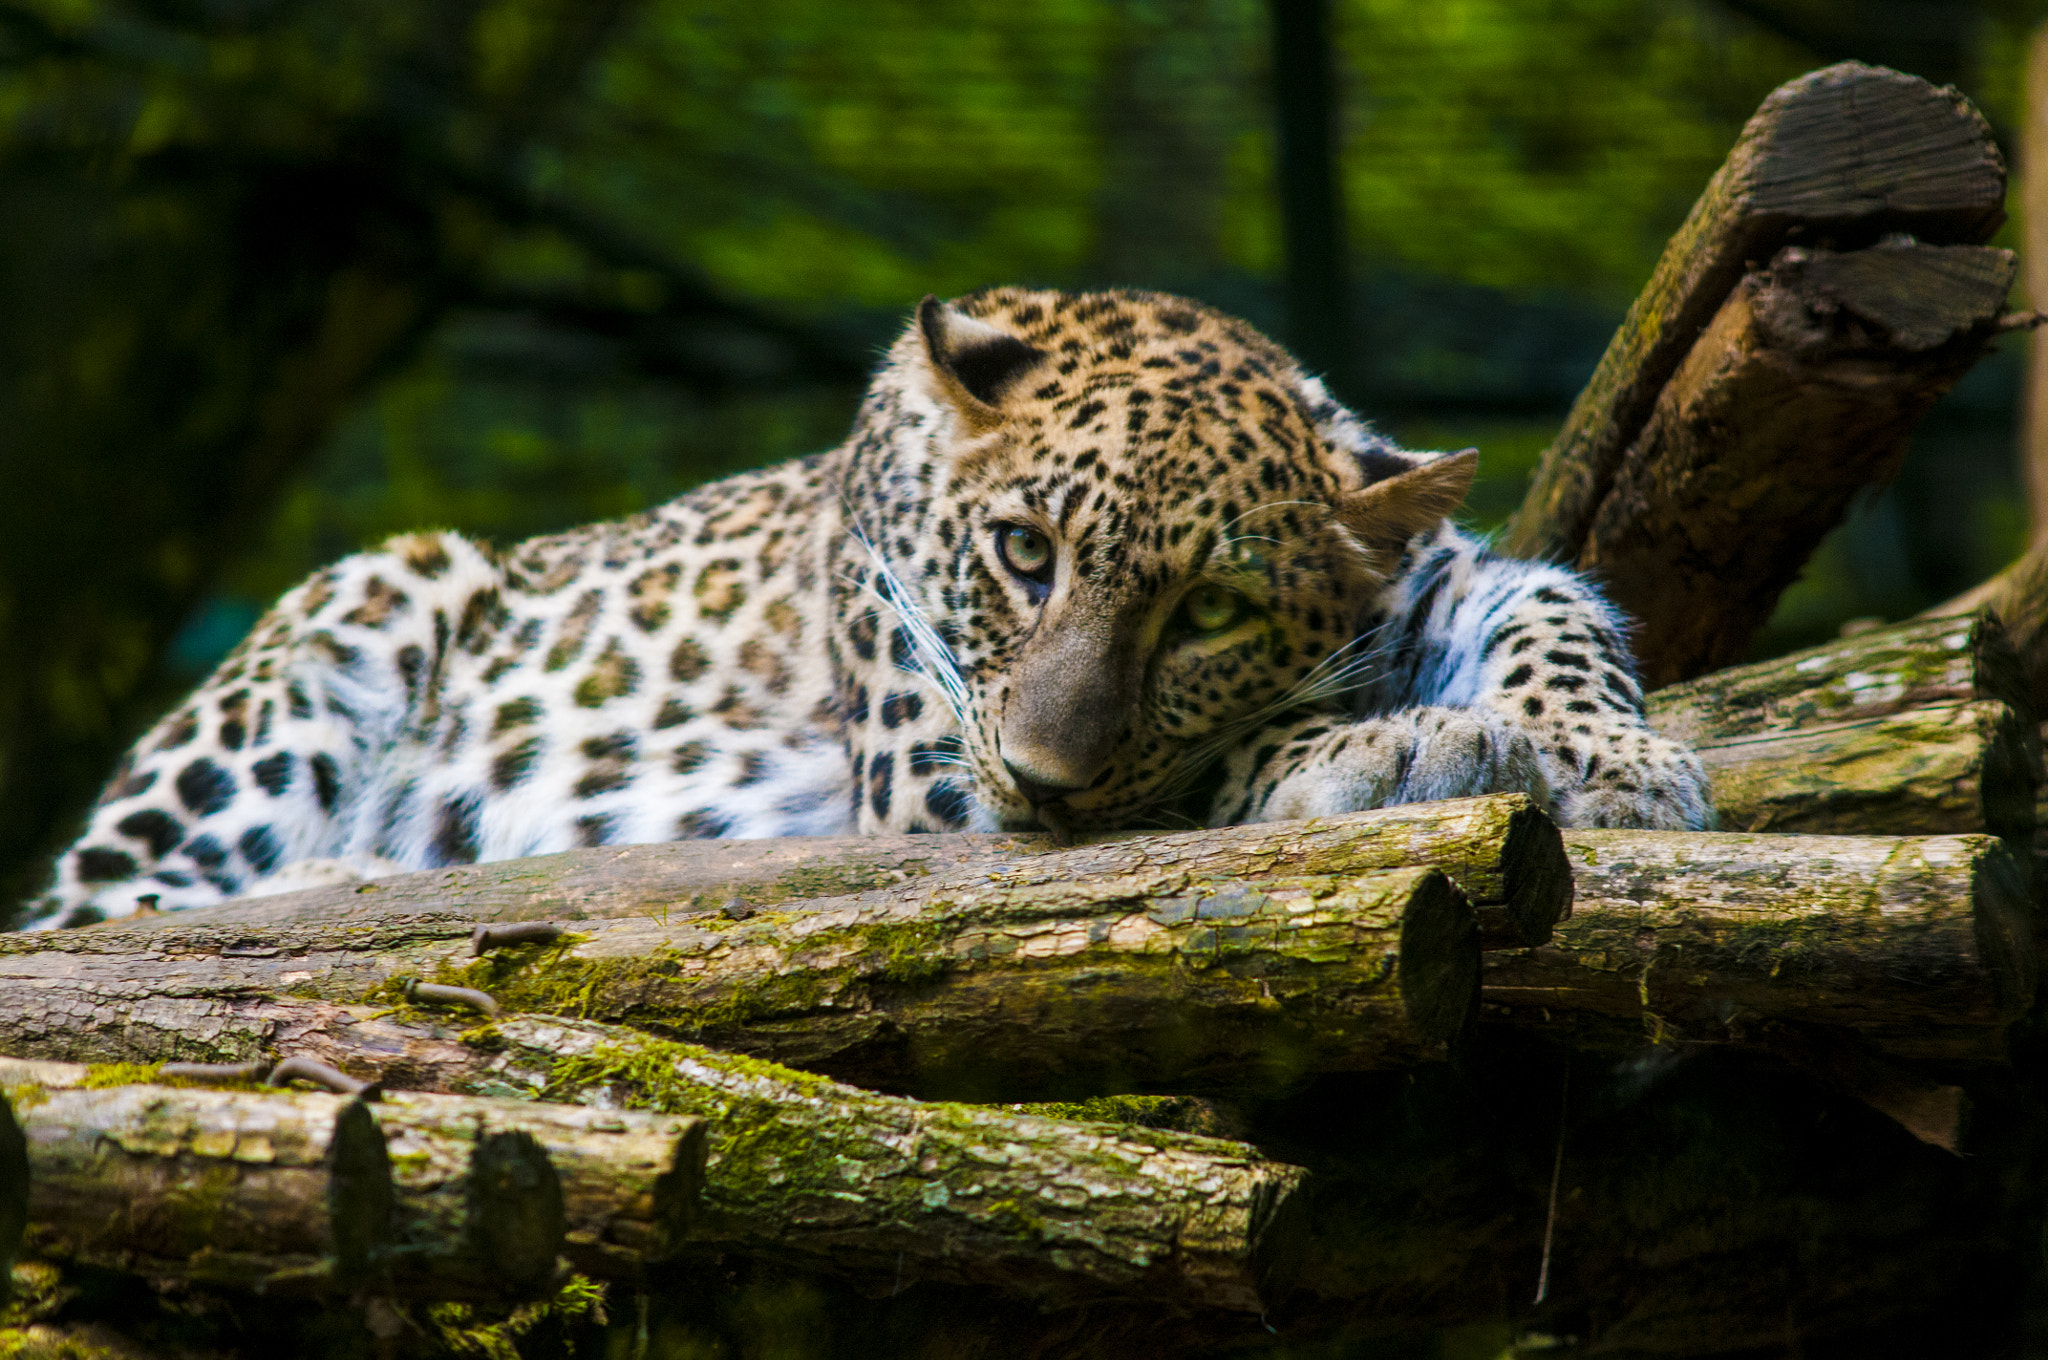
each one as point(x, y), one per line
point(1086, 561)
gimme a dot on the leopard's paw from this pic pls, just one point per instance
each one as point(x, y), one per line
point(1417, 756)
point(1656, 785)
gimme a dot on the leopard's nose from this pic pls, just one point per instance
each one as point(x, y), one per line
point(1038, 790)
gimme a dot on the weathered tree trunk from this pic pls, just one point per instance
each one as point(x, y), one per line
point(1921, 729)
point(1922, 945)
point(804, 1170)
point(1501, 852)
point(423, 1196)
point(1731, 419)
point(993, 989)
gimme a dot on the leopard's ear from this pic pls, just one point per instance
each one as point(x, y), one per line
point(1389, 512)
point(973, 362)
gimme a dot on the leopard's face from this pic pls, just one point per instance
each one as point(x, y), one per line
point(1128, 537)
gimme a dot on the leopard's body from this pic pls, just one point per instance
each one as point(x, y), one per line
point(1085, 561)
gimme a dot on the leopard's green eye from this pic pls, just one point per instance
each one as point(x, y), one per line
point(1025, 551)
point(1211, 609)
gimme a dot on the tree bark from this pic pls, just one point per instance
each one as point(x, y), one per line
point(256, 1190)
point(1043, 987)
point(423, 1196)
point(809, 1172)
point(1500, 851)
point(1844, 154)
point(1923, 946)
point(1922, 729)
point(1802, 391)
point(490, 1191)
point(2019, 597)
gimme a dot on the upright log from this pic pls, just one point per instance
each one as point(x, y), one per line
point(1732, 418)
point(1921, 729)
point(994, 989)
point(1922, 945)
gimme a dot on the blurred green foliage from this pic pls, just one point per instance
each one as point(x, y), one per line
point(278, 278)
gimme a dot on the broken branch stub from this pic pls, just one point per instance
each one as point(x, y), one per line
point(1837, 158)
point(1802, 391)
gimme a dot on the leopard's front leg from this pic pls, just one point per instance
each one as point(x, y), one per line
point(1319, 766)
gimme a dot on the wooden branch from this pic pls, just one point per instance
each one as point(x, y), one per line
point(1914, 730)
point(809, 1172)
point(1924, 946)
point(1010, 986)
point(1501, 852)
point(1803, 391)
point(422, 1196)
point(1845, 155)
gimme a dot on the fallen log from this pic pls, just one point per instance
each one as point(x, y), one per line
point(1732, 418)
point(805, 1171)
point(1922, 729)
point(997, 989)
point(490, 1191)
point(1921, 945)
point(2019, 597)
point(419, 1196)
point(1500, 851)
point(269, 1191)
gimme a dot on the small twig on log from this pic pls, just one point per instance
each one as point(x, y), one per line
point(1922, 945)
point(312, 1070)
point(214, 1072)
point(434, 993)
point(497, 934)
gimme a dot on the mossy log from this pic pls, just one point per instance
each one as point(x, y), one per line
point(1921, 729)
point(421, 1196)
point(994, 989)
point(1503, 854)
point(806, 1171)
point(1843, 155)
point(489, 1192)
point(1921, 945)
point(256, 1190)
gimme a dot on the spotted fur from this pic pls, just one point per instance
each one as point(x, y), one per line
point(1251, 606)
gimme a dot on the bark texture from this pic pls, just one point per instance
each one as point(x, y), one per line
point(256, 1190)
point(800, 1170)
point(1921, 729)
point(490, 1191)
point(1500, 851)
point(1847, 153)
point(1802, 391)
point(1921, 945)
point(994, 990)
point(421, 1196)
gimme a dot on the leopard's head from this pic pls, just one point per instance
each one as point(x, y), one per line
point(1123, 532)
